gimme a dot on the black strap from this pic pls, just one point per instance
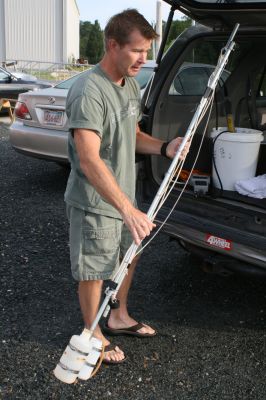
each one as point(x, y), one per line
point(163, 149)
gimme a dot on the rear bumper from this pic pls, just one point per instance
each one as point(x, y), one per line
point(37, 142)
point(246, 249)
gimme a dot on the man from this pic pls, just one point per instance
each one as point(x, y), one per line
point(103, 107)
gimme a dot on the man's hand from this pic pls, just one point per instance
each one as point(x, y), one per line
point(173, 147)
point(138, 223)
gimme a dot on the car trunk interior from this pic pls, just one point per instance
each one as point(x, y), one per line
point(245, 87)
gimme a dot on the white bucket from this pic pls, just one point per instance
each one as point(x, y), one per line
point(235, 155)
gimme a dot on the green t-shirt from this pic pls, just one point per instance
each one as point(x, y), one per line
point(95, 102)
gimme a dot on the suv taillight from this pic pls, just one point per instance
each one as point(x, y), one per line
point(21, 111)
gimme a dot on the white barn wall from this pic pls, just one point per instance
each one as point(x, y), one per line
point(2, 31)
point(30, 30)
point(72, 30)
point(41, 30)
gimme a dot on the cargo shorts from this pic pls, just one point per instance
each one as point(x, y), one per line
point(97, 244)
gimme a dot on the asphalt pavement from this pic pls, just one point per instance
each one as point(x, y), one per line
point(211, 341)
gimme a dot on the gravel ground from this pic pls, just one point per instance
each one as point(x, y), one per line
point(211, 341)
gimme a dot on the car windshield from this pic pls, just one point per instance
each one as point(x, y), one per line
point(68, 83)
point(3, 74)
point(142, 78)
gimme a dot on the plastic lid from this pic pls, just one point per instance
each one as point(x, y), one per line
point(241, 135)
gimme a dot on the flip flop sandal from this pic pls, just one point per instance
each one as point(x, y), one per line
point(132, 331)
point(111, 347)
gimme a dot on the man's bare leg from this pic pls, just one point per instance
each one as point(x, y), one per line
point(89, 299)
point(119, 318)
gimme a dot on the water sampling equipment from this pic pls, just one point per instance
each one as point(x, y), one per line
point(84, 351)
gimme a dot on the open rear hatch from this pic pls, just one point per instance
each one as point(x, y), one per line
point(223, 14)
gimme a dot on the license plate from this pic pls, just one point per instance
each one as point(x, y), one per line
point(53, 117)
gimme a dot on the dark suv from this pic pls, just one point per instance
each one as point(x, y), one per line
point(223, 227)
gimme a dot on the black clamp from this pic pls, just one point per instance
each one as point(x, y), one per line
point(114, 304)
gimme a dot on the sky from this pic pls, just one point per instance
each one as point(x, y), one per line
point(102, 10)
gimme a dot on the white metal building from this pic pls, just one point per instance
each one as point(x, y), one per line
point(40, 30)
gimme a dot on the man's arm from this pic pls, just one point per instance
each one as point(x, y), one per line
point(88, 145)
point(146, 144)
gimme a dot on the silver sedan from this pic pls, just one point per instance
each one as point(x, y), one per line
point(41, 127)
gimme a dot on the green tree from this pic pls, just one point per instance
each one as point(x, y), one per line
point(85, 28)
point(91, 41)
point(95, 48)
point(177, 27)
